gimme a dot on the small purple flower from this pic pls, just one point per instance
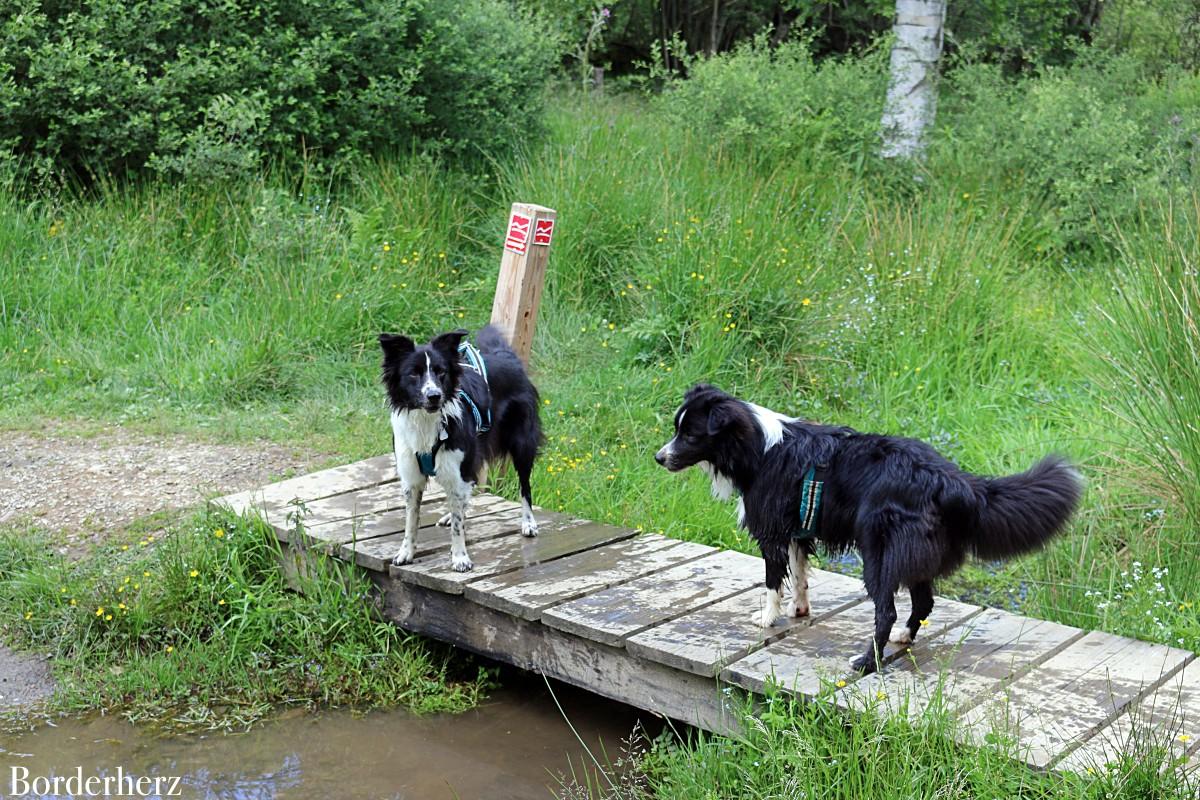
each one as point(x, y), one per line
point(604, 12)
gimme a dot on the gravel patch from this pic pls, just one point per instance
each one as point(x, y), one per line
point(84, 488)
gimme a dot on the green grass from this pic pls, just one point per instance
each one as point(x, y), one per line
point(812, 750)
point(250, 310)
point(197, 628)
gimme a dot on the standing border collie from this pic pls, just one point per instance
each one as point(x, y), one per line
point(455, 408)
point(913, 515)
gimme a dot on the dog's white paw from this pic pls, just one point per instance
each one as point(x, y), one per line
point(405, 556)
point(529, 528)
point(901, 636)
point(445, 519)
point(462, 563)
point(768, 619)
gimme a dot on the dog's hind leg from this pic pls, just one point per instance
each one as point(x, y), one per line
point(922, 604)
point(885, 618)
point(522, 458)
point(798, 567)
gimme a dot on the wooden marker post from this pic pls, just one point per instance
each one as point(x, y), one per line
point(522, 273)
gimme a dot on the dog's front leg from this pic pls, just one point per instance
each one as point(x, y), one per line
point(458, 499)
point(412, 519)
point(776, 564)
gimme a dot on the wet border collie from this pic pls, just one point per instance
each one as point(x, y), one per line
point(455, 408)
point(913, 515)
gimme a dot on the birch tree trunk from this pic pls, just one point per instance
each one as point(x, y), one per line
point(912, 92)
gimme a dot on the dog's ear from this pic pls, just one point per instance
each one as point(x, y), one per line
point(394, 345)
point(720, 416)
point(447, 344)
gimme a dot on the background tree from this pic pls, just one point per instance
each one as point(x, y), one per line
point(912, 92)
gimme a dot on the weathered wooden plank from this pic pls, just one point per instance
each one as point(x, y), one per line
point(505, 554)
point(526, 593)
point(363, 502)
point(1066, 699)
point(389, 523)
point(276, 497)
point(375, 524)
point(605, 670)
point(960, 663)
point(375, 552)
point(808, 656)
point(611, 615)
point(1168, 717)
point(704, 641)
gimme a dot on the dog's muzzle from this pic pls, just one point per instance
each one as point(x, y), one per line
point(666, 457)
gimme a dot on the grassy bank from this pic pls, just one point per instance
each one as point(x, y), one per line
point(250, 310)
point(195, 627)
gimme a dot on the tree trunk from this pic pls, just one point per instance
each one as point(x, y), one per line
point(912, 93)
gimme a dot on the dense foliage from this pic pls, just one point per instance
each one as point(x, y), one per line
point(1095, 142)
point(216, 88)
point(1019, 34)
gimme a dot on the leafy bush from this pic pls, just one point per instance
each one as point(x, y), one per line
point(201, 89)
point(1095, 142)
point(783, 102)
point(1097, 151)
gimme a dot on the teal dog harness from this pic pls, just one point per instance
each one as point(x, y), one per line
point(811, 490)
point(469, 357)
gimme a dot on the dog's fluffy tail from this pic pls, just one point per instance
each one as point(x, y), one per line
point(1019, 513)
point(489, 339)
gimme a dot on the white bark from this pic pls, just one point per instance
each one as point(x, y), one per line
point(912, 93)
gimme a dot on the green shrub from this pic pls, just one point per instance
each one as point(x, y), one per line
point(783, 102)
point(1098, 141)
point(204, 89)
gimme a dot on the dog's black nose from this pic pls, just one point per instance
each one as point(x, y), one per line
point(433, 397)
point(660, 458)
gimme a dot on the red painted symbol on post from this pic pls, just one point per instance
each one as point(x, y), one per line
point(518, 234)
point(543, 231)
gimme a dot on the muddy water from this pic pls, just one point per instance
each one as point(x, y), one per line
point(513, 746)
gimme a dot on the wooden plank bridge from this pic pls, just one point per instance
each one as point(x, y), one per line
point(668, 626)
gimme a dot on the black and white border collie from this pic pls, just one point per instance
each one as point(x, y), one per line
point(913, 515)
point(456, 417)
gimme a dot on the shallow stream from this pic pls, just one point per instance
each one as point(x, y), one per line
point(515, 745)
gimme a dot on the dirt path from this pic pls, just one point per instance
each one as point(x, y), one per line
point(82, 489)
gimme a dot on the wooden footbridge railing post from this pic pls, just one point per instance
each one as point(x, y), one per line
point(522, 273)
